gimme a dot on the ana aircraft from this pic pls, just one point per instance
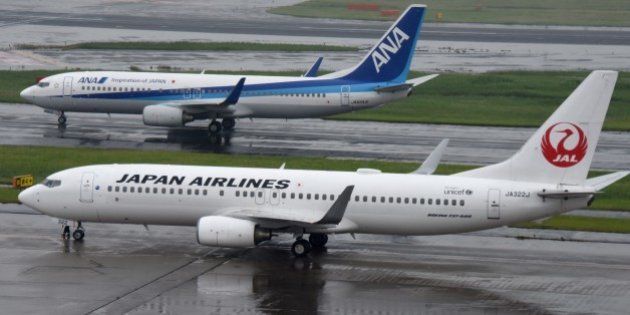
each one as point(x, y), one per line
point(172, 100)
point(242, 207)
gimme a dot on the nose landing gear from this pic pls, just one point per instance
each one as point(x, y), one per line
point(62, 120)
point(77, 235)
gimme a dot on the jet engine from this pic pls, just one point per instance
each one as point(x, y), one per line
point(166, 116)
point(230, 232)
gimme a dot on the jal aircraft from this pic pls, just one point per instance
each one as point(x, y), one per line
point(172, 100)
point(242, 207)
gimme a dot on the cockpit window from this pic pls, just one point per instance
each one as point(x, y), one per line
point(43, 84)
point(50, 183)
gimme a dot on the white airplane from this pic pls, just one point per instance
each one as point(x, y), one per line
point(172, 100)
point(242, 207)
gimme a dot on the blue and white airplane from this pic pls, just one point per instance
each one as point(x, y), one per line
point(172, 100)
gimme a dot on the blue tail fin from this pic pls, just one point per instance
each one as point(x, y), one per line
point(390, 58)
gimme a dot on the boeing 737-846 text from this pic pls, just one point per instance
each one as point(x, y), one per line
point(172, 100)
point(241, 207)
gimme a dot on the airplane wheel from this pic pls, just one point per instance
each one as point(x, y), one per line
point(215, 127)
point(229, 123)
point(62, 120)
point(66, 233)
point(318, 240)
point(300, 248)
point(78, 234)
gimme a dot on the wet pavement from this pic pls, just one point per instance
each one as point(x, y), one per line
point(29, 125)
point(127, 269)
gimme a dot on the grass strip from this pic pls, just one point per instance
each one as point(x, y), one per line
point(579, 223)
point(532, 12)
point(193, 46)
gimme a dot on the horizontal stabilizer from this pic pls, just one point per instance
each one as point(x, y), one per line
point(405, 86)
point(567, 193)
point(312, 72)
point(433, 160)
point(601, 182)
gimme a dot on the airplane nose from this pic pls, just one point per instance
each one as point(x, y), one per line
point(29, 197)
point(26, 94)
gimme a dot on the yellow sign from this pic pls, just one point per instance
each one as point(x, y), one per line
point(23, 181)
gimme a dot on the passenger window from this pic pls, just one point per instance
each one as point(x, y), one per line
point(109, 188)
point(292, 195)
point(398, 200)
point(356, 198)
point(132, 189)
point(332, 197)
point(324, 196)
point(414, 200)
point(365, 198)
point(196, 192)
point(245, 193)
point(189, 191)
point(237, 193)
point(382, 199)
point(300, 196)
point(180, 191)
point(274, 195)
point(446, 202)
point(148, 190)
point(155, 190)
point(453, 202)
point(221, 193)
point(316, 196)
point(116, 189)
point(421, 201)
point(172, 191)
point(391, 199)
point(205, 192)
point(284, 195)
point(164, 191)
point(308, 196)
point(438, 201)
point(124, 189)
point(430, 201)
point(406, 200)
point(373, 199)
point(461, 202)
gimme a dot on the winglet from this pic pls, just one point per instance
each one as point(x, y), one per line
point(233, 97)
point(312, 72)
point(338, 209)
point(417, 81)
point(433, 160)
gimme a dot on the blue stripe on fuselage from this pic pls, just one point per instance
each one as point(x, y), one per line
point(251, 90)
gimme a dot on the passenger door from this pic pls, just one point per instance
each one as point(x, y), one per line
point(67, 90)
point(494, 204)
point(87, 188)
point(345, 95)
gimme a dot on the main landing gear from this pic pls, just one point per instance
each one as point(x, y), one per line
point(77, 235)
point(226, 125)
point(301, 247)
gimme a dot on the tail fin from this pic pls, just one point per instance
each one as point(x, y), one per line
point(390, 58)
point(561, 150)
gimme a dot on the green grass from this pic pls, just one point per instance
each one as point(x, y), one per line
point(515, 98)
point(578, 223)
point(194, 46)
point(43, 161)
point(536, 12)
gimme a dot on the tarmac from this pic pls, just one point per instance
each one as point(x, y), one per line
point(22, 124)
point(128, 269)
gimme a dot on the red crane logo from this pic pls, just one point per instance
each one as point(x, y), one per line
point(559, 155)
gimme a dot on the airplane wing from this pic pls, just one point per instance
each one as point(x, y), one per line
point(312, 72)
point(202, 105)
point(433, 160)
point(300, 217)
point(407, 85)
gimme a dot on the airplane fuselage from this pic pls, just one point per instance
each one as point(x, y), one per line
point(262, 96)
point(380, 204)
